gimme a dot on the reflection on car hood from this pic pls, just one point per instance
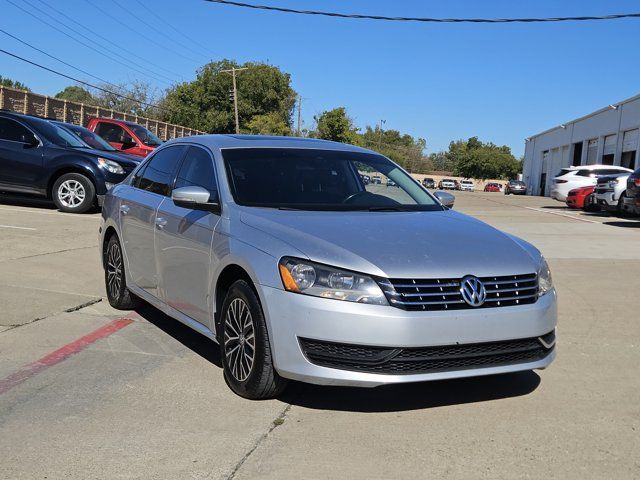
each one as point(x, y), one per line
point(123, 159)
point(443, 244)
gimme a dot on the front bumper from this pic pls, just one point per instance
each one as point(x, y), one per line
point(291, 317)
point(607, 200)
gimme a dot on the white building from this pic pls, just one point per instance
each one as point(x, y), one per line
point(608, 136)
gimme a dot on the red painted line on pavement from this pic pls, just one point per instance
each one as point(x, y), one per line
point(61, 354)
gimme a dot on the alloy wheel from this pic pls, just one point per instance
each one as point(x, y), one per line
point(71, 193)
point(239, 339)
point(114, 270)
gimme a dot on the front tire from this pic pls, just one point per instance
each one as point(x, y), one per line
point(73, 193)
point(115, 282)
point(245, 348)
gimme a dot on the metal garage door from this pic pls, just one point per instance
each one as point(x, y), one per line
point(630, 141)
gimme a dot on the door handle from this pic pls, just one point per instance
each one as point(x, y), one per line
point(160, 223)
point(124, 209)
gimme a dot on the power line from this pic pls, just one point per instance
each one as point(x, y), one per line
point(136, 31)
point(146, 104)
point(89, 46)
point(107, 40)
point(179, 32)
point(426, 19)
point(56, 58)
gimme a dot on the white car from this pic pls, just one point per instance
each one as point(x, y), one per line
point(466, 185)
point(447, 184)
point(583, 176)
point(610, 191)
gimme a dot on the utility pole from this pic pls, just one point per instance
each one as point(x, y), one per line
point(299, 131)
point(380, 134)
point(233, 71)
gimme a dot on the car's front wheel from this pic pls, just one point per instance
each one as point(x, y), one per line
point(73, 193)
point(115, 281)
point(245, 348)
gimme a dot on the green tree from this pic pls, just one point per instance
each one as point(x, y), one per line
point(335, 125)
point(7, 82)
point(268, 124)
point(75, 93)
point(475, 159)
point(207, 102)
point(403, 149)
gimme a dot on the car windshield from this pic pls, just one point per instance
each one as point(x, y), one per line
point(313, 179)
point(145, 135)
point(56, 134)
point(90, 138)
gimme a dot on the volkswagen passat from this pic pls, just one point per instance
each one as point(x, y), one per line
point(276, 250)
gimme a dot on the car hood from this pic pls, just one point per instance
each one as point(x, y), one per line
point(442, 244)
point(123, 159)
point(608, 178)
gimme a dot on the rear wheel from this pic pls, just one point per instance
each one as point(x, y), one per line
point(115, 281)
point(245, 349)
point(73, 193)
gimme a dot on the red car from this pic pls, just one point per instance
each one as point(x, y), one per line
point(129, 137)
point(493, 187)
point(581, 198)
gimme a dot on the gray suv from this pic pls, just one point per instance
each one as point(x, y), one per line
point(276, 250)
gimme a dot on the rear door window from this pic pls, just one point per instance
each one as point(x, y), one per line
point(160, 170)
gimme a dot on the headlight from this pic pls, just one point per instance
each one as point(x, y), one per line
point(545, 283)
point(310, 278)
point(110, 165)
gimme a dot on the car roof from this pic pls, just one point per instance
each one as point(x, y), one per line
point(222, 141)
point(595, 167)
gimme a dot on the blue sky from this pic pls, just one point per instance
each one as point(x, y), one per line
point(440, 82)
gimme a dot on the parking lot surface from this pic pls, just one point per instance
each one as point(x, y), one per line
point(89, 392)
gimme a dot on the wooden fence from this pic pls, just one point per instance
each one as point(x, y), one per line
point(30, 103)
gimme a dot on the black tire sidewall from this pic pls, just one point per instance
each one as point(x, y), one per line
point(123, 284)
point(89, 188)
point(262, 357)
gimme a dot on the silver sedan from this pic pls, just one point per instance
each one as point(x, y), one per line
point(276, 250)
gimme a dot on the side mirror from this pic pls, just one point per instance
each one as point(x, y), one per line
point(445, 198)
point(195, 198)
point(128, 143)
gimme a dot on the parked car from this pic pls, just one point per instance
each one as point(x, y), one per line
point(574, 177)
point(366, 179)
point(257, 243)
point(38, 157)
point(466, 185)
point(391, 183)
point(632, 197)
point(515, 187)
point(447, 184)
point(582, 198)
point(376, 180)
point(428, 183)
point(129, 137)
point(94, 141)
point(492, 187)
point(610, 191)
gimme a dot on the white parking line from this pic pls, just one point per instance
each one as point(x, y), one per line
point(17, 228)
point(567, 215)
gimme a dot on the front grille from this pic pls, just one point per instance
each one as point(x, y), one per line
point(444, 294)
point(417, 360)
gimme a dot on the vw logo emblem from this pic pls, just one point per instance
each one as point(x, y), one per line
point(473, 291)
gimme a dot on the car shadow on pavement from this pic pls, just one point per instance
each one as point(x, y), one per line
point(188, 337)
point(26, 201)
point(629, 224)
point(411, 396)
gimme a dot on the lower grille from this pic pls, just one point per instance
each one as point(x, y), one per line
point(417, 360)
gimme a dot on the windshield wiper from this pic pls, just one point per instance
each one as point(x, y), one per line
point(388, 209)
